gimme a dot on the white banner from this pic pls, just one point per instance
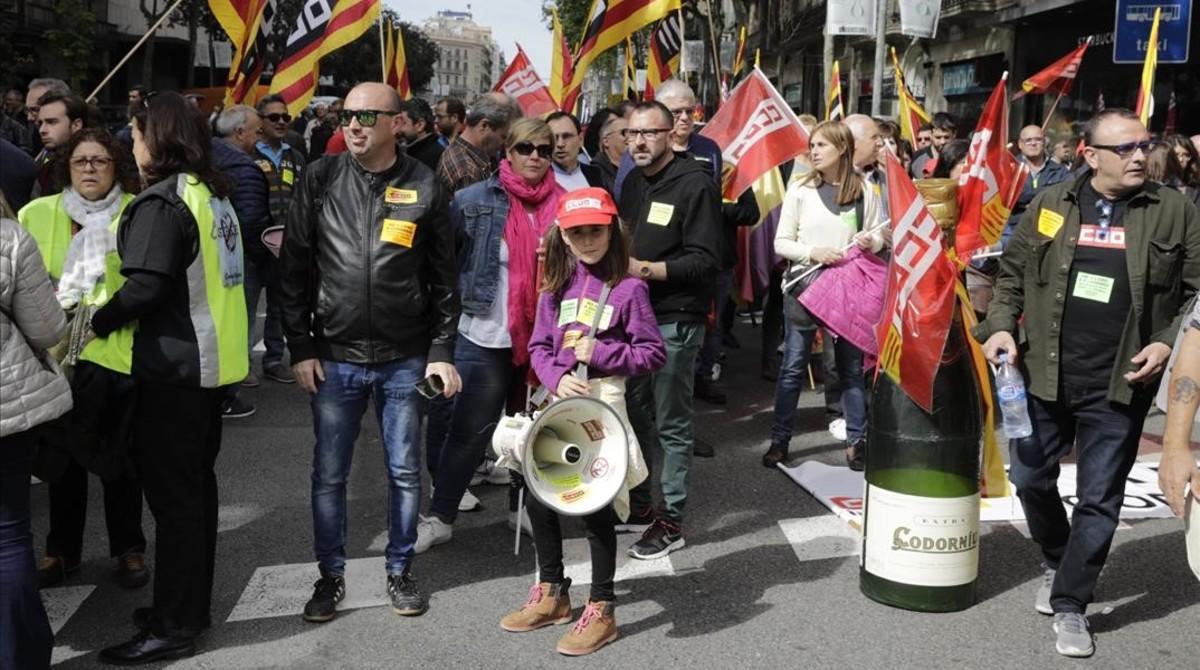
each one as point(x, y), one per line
point(850, 17)
point(693, 56)
point(919, 18)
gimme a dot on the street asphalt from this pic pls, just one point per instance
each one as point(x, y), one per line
point(738, 596)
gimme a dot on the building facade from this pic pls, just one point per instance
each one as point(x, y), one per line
point(468, 58)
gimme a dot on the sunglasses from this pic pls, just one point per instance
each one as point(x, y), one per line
point(277, 117)
point(367, 118)
point(1126, 150)
point(527, 148)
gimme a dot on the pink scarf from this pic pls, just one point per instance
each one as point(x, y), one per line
point(523, 238)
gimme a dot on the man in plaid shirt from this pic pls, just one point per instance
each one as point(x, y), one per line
point(469, 158)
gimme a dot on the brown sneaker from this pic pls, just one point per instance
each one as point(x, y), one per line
point(596, 628)
point(548, 604)
point(132, 572)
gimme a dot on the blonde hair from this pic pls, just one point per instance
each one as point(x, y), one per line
point(527, 130)
point(849, 183)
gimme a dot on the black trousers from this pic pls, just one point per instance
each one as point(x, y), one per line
point(68, 514)
point(177, 438)
point(602, 538)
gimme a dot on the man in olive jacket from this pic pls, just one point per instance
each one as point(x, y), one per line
point(1102, 269)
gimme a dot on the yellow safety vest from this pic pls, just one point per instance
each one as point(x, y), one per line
point(217, 299)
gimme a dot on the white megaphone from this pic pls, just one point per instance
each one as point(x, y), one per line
point(574, 454)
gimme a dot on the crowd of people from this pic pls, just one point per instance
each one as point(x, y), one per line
point(447, 261)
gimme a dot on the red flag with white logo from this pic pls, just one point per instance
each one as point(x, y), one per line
point(991, 179)
point(1058, 76)
point(522, 82)
point(919, 305)
point(756, 131)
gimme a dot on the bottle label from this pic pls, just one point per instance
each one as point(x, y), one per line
point(921, 541)
point(1010, 392)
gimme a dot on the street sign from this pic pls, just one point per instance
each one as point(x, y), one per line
point(1132, 30)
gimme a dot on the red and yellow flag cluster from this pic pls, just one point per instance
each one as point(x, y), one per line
point(834, 110)
point(395, 63)
point(315, 35)
point(248, 23)
point(912, 115)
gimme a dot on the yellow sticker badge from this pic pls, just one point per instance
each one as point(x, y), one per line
point(660, 213)
point(288, 176)
point(399, 196)
point(398, 232)
point(1049, 222)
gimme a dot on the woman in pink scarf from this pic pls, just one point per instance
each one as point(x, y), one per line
point(500, 222)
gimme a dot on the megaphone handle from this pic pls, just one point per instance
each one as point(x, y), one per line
point(581, 370)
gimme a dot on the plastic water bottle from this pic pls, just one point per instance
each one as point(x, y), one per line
point(1010, 389)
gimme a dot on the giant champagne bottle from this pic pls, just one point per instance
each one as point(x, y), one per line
point(921, 518)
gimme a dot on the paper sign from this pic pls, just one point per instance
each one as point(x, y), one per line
point(399, 196)
point(398, 232)
point(660, 213)
point(1093, 287)
point(1049, 222)
point(566, 312)
point(570, 338)
point(587, 314)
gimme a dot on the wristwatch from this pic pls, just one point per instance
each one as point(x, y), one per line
point(645, 271)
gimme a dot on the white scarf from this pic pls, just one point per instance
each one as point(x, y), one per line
point(84, 265)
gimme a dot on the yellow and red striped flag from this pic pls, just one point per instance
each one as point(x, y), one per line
point(561, 62)
point(912, 115)
point(631, 92)
point(248, 23)
point(389, 57)
point(666, 45)
point(834, 111)
point(313, 38)
point(1145, 99)
point(400, 67)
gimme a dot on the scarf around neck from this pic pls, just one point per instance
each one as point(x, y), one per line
point(531, 211)
point(85, 261)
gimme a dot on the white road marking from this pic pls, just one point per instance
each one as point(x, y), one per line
point(821, 537)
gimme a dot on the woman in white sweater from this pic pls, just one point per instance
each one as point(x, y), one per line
point(824, 211)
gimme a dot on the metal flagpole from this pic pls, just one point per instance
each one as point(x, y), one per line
point(382, 51)
point(157, 24)
point(880, 47)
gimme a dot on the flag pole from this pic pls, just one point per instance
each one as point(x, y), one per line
point(382, 52)
point(1050, 114)
point(682, 45)
point(157, 24)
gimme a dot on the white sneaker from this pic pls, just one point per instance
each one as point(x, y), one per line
point(1041, 601)
point(526, 527)
point(430, 531)
point(468, 503)
point(837, 428)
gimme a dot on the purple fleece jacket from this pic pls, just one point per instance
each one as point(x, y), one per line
point(629, 343)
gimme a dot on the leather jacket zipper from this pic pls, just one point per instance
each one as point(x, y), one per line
point(368, 227)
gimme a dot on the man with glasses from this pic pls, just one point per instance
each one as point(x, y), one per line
point(1043, 173)
point(673, 209)
point(284, 166)
point(1101, 269)
point(371, 308)
point(569, 172)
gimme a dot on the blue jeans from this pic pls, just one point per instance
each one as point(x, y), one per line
point(1105, 435)
point(260, 274)
point(848, 361)
point(338, 407)
point(25, 637)
point(486, 377)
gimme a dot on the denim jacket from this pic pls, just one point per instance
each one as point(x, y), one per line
point(479, 212)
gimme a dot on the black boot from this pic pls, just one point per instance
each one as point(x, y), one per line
point(776, 454)
point(856, 455)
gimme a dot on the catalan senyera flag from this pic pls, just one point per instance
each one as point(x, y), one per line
point(630, 72)
point(248, 23)
point(400, 67)
point(1056, 77)
point(918, 308)
point(991, 179)
point(666, 45)
point(1145, 99)
point(993, 478)
point(311, 39)
point(834, 110)
point(609, 23)
point(561, 62)
point(756, 131)
point(912, 115)
point(389, 56)
point(522, 82)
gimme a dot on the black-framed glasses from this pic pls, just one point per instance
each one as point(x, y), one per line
point(681, 112)
point(367, 118)
point(94, 162)
point(277, 117)
point(1126, 150)
point(647, 133)
point(527, 148)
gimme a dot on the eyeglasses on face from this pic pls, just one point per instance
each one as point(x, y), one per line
point(643, 133)
point(367, 118)
point(1033, 140)
point(1126, 149)
point(681, 112)
point(527, 149)
point(94, 162)
point(277, 117)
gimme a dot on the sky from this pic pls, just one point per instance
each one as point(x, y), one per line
point(510, 20)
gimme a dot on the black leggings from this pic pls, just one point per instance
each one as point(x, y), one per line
point(601, 535)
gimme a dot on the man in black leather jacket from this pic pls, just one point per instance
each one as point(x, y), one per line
point(370, 308)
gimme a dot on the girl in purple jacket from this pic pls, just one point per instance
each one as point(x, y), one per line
point(586, 251)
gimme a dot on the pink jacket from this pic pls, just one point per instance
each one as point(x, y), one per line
point(848, 298)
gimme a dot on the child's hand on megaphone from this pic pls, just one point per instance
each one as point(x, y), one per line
point(570, 385)
point(584, 347)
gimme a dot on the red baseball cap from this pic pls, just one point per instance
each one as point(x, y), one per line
point(591, 206)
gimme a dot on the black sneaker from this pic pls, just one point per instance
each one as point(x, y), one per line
point(236, 408)
point(707, 390)
point(702, 449)
point(638, 521)
point(406, 597)
point(328, 591)
point(660, 539)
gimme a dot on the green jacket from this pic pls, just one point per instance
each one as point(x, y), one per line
point(1162, 243)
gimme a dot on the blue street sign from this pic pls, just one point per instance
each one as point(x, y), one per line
point(1132, 30)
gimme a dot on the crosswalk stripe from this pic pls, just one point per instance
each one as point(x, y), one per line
point(817, 538)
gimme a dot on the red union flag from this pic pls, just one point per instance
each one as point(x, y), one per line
point(919, 305)
point(1056, 77)
point(756, 131)
point(991, 179)
point(522, 82)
